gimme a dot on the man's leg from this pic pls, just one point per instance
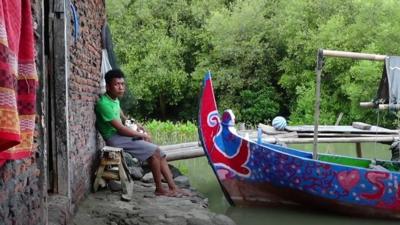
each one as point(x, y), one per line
point(166, 172)
point(154, 163)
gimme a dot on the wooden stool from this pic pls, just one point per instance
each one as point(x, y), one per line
point(112, 167)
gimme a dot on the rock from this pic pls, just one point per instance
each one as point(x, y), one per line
point(148, 178)
point(175, 171)
point(147, 185)
point(221, 219)
point(182, 181)
point(114, 185)
point(198, 221)
point(136, 172)
point(131, 161)
point(149, 196)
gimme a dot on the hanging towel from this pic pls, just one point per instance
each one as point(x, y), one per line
point(105, 67)
point(18, 80)
point(106, 38)
point(389, 88)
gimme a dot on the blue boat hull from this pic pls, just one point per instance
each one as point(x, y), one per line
point(263, 174)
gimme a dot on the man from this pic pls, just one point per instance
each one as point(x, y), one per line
point(109, 123)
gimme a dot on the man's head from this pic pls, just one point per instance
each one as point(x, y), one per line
point(115, 83)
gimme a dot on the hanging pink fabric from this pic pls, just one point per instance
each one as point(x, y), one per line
point(18, 80)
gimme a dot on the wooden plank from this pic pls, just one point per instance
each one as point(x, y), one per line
point(342, 129)
point(126, 193)
point(269, 129)
point(345, 135)
point(60, 95)
point(287, 135)
point(111, 149)
point(361, 126)
point(339, 119)
point(110, 175)
point(99, 174)
point(59, 6)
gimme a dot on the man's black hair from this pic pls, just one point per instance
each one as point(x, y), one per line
point(114, 73)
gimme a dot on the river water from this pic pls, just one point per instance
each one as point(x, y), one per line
point(203, 179)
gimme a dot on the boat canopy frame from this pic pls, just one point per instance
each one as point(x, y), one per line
point(322, 53)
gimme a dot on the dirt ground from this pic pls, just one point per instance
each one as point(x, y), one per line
point(106, 208)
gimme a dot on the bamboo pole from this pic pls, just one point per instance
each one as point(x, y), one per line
point(368, 105)
point(344, 135)
point(339, 118)
point(353, 55)
point(331, 140)
point(387, 106)
point(178, 146)
point(379, 106)
point(193, 152)
point(185, 153)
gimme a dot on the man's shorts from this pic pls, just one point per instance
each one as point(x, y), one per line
point(139, 149)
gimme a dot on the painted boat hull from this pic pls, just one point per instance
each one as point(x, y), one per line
point(251, 173)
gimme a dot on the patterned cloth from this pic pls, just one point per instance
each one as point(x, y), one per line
point(18, 80)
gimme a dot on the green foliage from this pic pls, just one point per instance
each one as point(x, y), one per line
point(157, 43)
point(262, 55)
point(305, 26)
point(183, 168)
point(164, 133)
point(243, 61)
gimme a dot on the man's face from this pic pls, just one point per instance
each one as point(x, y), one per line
point(116, 88)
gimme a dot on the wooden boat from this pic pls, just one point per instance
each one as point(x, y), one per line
point(253, 173)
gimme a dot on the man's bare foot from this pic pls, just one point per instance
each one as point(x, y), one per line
point(181, 192)
point(168, 194)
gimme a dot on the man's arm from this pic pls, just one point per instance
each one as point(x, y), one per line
point(123, 117)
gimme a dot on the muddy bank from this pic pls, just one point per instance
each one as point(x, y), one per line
point(106, 208)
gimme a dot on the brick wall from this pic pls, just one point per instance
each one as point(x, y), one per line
point(20, 193)
point(23, 184)
point(22, 200)
point(84, 89)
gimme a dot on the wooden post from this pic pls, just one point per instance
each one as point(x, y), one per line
point(59, 94)
point(358, 150)
point(317, 101)
point(339, 119)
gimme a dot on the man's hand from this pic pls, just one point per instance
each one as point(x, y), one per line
point(148, 137)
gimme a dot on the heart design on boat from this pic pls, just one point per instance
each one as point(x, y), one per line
point(348, 179)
